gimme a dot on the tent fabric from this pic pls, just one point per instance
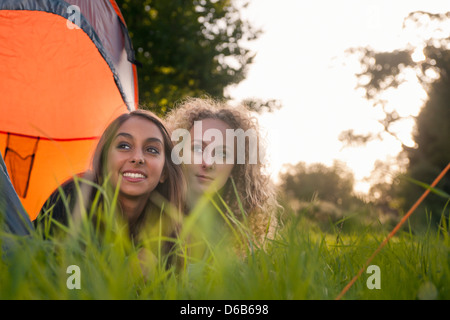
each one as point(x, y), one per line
point(111, 28)
point(13, 217)
point(107, 34)
point(59, 88)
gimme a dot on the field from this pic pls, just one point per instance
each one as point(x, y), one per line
point(304, 262)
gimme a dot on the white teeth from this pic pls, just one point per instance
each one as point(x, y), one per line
point(134, 175)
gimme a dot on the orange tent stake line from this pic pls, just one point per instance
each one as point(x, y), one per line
point(394, 231)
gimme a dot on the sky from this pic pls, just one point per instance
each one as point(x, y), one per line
point(301, 61)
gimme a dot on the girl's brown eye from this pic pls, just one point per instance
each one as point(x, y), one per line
point(153, 150)
point(123, 146)
point(220, 152)
point(197, 148)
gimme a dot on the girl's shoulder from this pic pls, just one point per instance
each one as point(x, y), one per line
point(60, 203)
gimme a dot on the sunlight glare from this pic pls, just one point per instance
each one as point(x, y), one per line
point(417, 55)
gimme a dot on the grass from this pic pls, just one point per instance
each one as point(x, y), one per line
point(302, 262)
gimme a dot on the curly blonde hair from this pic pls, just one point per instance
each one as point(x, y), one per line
point(253, 187)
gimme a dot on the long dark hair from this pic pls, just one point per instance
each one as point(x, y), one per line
point(172, 188)
point(171, 192)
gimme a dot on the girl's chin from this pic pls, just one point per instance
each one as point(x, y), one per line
point(133, 193)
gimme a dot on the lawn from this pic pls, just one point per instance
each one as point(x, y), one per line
point(303, 262)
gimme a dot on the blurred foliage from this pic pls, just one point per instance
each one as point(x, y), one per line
point(305, 182)
point(325, 194)
point(385, 70)
point(432, 136)
point(188, 48)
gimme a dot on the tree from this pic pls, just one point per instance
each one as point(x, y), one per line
point(188, 48)
point(325, 195)
point(432, 136)
point(332, 184)
point(386, 70)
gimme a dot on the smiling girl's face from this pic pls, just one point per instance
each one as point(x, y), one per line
point(136, 157)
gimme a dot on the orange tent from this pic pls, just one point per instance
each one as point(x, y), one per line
point(67, 69)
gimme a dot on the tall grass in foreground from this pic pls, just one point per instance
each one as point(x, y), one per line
point(303, 262)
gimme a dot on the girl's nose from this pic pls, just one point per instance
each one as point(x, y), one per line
point(137, 157)
point(207, 161)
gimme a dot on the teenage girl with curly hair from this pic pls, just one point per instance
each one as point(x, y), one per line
point(252, 197)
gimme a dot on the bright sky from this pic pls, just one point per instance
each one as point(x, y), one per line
point(300, 62)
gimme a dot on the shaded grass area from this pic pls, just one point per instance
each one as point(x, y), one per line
point(302, 262)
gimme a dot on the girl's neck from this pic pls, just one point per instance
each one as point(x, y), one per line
point(193, 199)
point(132, 208)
